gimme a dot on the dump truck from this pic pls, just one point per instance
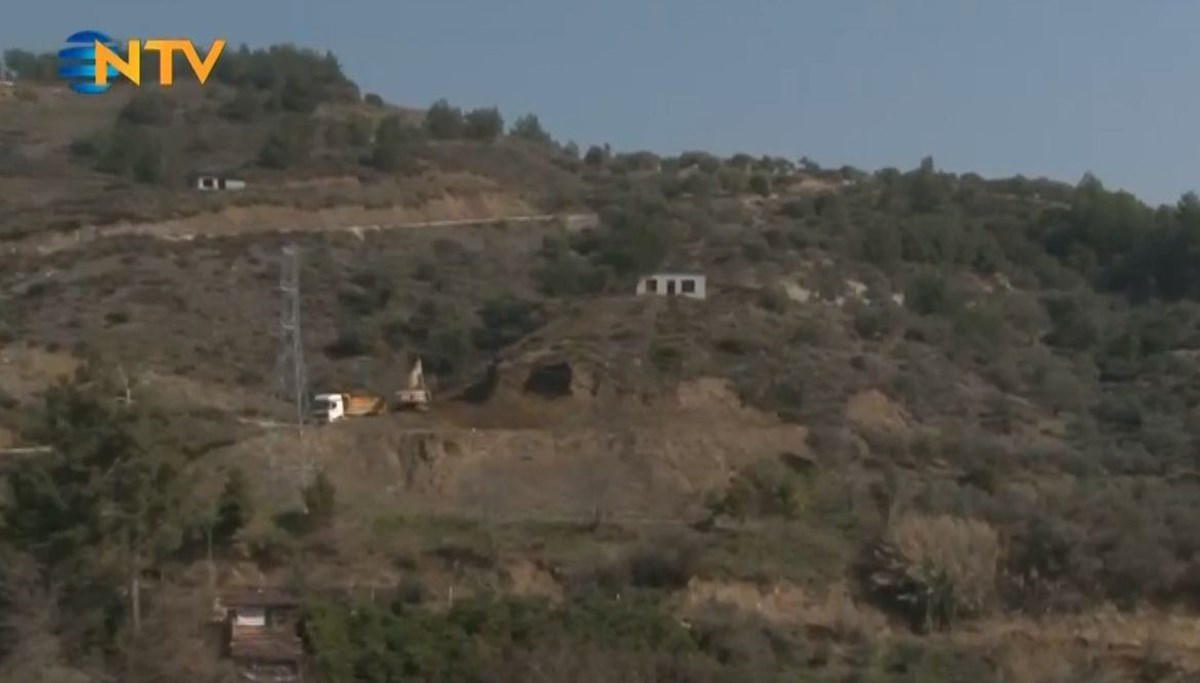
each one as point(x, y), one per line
point(328, 408)
point(415, 396)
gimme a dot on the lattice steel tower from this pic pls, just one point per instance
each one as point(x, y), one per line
point(289, 365)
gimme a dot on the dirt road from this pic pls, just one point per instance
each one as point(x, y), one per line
point(175, 232)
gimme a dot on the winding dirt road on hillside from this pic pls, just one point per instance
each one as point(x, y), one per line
point(185, 230)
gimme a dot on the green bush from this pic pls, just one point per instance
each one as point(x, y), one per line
point(132, 152)
point(243, 107)
point(596, 156)
point(505, 321)
point(396, 146)
point(30, 66)
point(760, 185)
point(444, 122)
point(667, 564)
point(292, 79)
point(564, 273)
point(353, 340)
point(767, 488)
point(288, 145)
point(366, 293)
point(484, 125)
point(528, 127)
point(479, 638)
point(320, 501)
point(931, 294)
point(234, 508)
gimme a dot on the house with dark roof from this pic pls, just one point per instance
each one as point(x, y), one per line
point(261, 629)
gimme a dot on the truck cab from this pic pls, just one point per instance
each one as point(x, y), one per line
point(328, 408)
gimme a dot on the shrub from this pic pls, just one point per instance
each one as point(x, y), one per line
point(288, 145)
point(565, 274)
point(484, 124)
point(132, 152)
point(930, 294)
point(505, 321)
point(773, 299)
point(367, 293)
point(320, 501)
point(1074, 322)
point(351, 341)
point(767, 488)
point(444, 122)
point(269, 546)
point(24, 65)
point(635, 239)
point(243, 107)
point(396, 146)
point(796, 208)
point(876, 322)
point(528, 127)
point(294, 79)
point(760, 185)
point(666, 359)
point(147, 107)
point(733, 181)
point(881, 245)
point(85, 147)
point(668, 564)
point(234, 509)
point(596, 156)
point(934, 569)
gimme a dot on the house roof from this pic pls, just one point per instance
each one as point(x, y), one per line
point(258, 597)
point(675, 273)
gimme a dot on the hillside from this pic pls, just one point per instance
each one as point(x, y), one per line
point(925, 426)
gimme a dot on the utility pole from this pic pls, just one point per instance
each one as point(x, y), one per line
point(291, 373)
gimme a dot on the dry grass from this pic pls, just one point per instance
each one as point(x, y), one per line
point(831, 612)
point(950, 563)
point(964, 551)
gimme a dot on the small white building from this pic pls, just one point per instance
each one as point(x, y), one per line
point(691, 285)
point(210, 183)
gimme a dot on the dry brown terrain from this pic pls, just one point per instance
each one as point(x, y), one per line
point(761, 442)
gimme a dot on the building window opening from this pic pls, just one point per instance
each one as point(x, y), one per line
point(688, 286)
point(651, 285)
point(670, 286)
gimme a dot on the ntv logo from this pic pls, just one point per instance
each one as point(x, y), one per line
point(91, 61)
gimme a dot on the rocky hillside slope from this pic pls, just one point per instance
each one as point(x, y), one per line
point(916, 412)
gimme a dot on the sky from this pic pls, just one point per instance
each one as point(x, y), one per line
point(996, 87)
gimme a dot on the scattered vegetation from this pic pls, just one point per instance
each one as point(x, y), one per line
point(1026, 349)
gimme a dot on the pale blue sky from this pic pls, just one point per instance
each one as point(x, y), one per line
point(998, 87)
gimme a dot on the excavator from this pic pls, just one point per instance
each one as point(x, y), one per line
point(416, 395)
point(327, 408)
